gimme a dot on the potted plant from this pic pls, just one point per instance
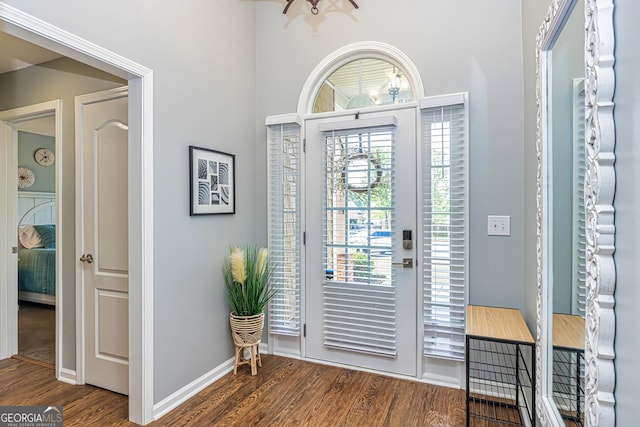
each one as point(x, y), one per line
point(247, 275)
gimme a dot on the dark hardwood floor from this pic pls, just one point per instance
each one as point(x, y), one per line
point(286, 392)
point(25, 383)
point(37, 331)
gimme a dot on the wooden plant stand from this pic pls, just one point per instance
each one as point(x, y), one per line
point(247, 334)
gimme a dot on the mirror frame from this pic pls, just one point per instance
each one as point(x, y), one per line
point(600, 229)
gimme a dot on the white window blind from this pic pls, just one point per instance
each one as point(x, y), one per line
point(579, 259)
point(284, 160)
point(445, 229)
point(359, 306)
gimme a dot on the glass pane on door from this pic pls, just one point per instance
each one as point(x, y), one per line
point(358, 226)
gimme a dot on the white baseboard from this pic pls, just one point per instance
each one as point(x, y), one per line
point(442, 380)
point(67, 376)
point(185, 393)
point(287, 353)
point(295, 356)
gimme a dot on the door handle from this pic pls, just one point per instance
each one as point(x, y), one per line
point(88, 258)
point(405, 263)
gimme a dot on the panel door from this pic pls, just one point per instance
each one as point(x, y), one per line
point(104, 259)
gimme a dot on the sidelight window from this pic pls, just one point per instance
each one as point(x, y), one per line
point(444, 225)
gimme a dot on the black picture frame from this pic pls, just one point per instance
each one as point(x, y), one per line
point(212, 187)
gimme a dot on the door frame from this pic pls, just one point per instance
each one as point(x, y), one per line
point(295, 346)
point(140, 83)
point(9, 305)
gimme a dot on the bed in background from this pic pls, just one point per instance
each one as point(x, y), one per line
point(37, 248)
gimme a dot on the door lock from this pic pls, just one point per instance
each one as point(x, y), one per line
point(407, 239)
point(88, 258)
point(406, 263)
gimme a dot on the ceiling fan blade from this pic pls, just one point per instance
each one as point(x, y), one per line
point(289, 2)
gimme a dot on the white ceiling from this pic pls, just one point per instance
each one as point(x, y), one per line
point(16, 54)
point(367, 78)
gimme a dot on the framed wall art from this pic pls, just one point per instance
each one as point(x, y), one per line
point(212, 175)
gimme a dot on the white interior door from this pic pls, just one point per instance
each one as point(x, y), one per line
point(104, 254)
point(361, 195)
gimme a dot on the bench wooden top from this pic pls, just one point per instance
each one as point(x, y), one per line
point(497, 323)
point(568, 331)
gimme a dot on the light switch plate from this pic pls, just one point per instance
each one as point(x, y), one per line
point(499, 225)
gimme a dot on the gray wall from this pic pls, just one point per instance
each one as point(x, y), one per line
point(627, 204)
point(457, 46)
point(59, 79)
point(28, 143)
point(202, 54)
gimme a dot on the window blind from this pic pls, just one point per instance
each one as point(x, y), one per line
point(579, 258)
point(359, 306)
point(445, 229)
point(284, 172)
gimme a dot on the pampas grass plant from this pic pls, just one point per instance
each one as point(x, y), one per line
point(247, 276)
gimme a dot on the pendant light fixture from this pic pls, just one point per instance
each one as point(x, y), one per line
point(314, 5)
point(394, 84)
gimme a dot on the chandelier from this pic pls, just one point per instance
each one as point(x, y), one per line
point(314, 5)
point(394, 84)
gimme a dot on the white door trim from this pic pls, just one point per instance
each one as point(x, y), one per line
point(19, 24)
point(8, 192)
point(8, 306)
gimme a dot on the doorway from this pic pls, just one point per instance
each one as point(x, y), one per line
point(40, 265)
point(37, 253)
point(378, 250)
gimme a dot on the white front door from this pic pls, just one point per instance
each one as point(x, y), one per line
point(361, 195)
point(104, 256)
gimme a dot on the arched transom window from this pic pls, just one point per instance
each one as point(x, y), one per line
point(365, 82)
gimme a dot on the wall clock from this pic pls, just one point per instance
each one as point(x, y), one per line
point(44, 156)
point(26, 178)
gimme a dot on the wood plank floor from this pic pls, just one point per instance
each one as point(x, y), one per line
point(286, 392)
point(37, 331)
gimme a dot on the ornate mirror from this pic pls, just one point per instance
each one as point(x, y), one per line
point(575, 230)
